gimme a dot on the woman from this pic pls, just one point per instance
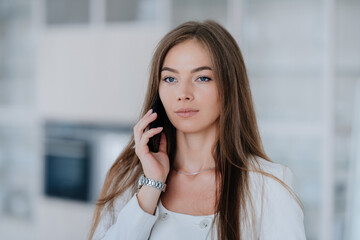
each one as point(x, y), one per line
point(219, 182)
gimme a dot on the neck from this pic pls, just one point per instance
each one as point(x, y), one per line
point(194, 151)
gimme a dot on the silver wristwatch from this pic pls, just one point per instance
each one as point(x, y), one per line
point(151, 182)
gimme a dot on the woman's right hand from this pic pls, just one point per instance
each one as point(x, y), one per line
point(155, 165)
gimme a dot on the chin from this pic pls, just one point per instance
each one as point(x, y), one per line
point(186, 127)
point(191, 127)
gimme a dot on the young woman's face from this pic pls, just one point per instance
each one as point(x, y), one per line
point(188, 82)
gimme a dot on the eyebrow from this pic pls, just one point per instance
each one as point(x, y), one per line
point(192, 71)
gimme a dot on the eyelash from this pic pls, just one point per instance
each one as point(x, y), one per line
point(208, 79)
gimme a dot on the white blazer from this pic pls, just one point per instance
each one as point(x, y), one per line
point(278, 215)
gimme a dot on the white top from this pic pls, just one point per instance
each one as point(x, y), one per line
point(191, 227)
point(281, 217)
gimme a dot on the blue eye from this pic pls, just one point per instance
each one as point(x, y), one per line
point(204, 79)
point(169, 78)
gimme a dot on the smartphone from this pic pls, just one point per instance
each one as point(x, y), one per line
point(154, 141)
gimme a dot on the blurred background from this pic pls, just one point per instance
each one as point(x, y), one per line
point(73, 75)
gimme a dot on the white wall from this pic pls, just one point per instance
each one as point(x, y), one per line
point(90, 75)
point(94, 74)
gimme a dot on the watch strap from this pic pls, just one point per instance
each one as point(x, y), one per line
point(151, 182)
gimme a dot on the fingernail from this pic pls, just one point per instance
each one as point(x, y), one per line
point(149, 111)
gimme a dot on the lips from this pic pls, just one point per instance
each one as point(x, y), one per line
point(186, 112)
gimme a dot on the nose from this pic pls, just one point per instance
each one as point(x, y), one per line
point(185, 92)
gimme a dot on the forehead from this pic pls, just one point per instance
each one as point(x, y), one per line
point(190, 53)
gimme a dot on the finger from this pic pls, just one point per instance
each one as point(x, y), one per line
point(147, 120)
point(138, 124)
point(144, 124)
point(137, 128)
point(147, 135)
point(147, 128)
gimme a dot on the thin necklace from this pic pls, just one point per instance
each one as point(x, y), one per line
point(194, 173)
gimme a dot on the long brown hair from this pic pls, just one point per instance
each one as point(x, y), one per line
point(238, 141)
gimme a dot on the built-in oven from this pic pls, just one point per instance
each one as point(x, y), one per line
point(67, 168)
point(78, 156)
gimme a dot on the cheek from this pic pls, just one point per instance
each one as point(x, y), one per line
point(216, 104)
point(215, 98)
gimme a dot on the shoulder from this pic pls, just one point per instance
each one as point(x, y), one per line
point(277, 182)
point(277, 169)
point(269, 171)
point(278, 209)
point(272, 180)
